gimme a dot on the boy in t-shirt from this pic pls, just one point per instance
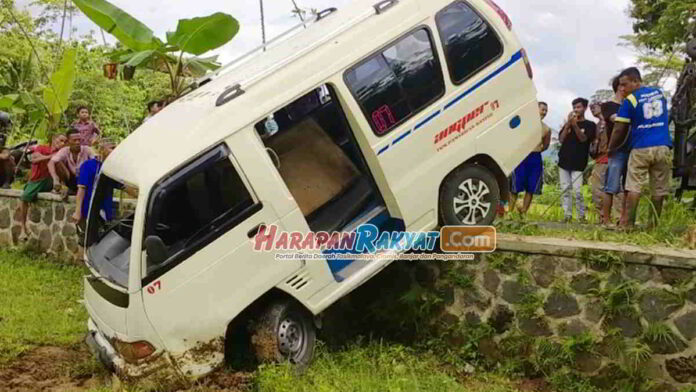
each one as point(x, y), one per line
point(576, 137)
point(40, 179)
point(85, 185)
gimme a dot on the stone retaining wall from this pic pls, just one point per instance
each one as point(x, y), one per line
point(49, 224)
point(567, 311)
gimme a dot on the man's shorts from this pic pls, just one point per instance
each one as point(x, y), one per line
point(33, 188)
point(529, 175)
point(651, 165)
point(615, 179)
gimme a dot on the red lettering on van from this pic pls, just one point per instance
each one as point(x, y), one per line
point(461, 125)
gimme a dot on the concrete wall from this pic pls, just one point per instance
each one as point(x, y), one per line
point(50, 227)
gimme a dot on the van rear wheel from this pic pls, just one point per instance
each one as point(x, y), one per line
point(469, 196)
point(284, 332)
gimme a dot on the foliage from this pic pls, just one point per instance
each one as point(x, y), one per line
point(117, 106)
point(656, 64)
point(617, 300)
point(663, 24)
point(142, 49)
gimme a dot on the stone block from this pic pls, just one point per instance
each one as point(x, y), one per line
point(426, 275)
point(71, 244)
point(34, 213)
point(16, 231)
point(472, 318)
point(584, 283)
point(665, 347)
point(59, 211)
point(628, 324)
point(687, 325)
point(47, 216)
point(658, 305)
point(560, 305)
point(691, 295)
point(570, 265)
point(572, 328)
point(515, 292)
point(675, 276)
point(639, 272)
point(594, 311)
point(682, 369)
point(45, 240)
point(501, 318)
point(6, 238)
point(57, 245)
point(587, 362)
point(69, 230)
point(491, 281)
point(544, 270)
point(5, 220)
point(534, 326)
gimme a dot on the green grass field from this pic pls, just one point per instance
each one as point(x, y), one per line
point(38, 304)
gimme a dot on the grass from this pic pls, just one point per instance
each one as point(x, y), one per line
point(38, 304)
point(675, 220)
point(375, 367)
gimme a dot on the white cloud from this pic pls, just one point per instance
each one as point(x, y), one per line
point(573, 45)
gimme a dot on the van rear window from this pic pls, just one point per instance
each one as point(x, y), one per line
point(398, 82)
point(470, 43)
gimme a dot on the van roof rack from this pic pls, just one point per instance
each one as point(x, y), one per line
point(242, 85)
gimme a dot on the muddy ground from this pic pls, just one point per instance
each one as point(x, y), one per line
point(60, 369)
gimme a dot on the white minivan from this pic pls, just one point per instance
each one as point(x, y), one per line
point(406, 114)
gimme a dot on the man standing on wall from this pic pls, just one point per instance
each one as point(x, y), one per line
point(575, 138)
point(615, 179)
point(645, 111)
point(528, 177)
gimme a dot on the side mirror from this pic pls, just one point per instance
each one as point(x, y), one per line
point(156, 250)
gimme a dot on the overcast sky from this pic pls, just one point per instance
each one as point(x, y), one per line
point(573, 45)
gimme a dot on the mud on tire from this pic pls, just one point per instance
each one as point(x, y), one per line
point(284, 331)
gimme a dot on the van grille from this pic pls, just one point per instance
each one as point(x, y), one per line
point(299, 281)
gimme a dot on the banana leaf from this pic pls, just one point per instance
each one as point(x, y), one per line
point(129, 31)
point(199, 35)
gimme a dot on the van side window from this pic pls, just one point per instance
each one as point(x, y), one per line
point(399, 81)
point(469, 42)
point(197, 205)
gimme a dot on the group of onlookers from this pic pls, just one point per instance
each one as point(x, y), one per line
point(630, 145)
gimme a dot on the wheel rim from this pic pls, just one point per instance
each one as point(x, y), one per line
point(472, 202)
point(292, 338)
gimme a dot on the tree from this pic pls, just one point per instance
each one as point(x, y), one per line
point(663, 24)
point(194, 36)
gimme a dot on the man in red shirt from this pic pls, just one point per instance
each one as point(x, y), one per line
point(40, 179)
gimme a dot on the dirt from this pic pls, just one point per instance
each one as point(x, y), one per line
point(61, 369)
point(48, 368)
point(534, 385)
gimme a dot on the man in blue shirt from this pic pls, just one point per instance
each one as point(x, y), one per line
point(645, 111)
point(85, 185)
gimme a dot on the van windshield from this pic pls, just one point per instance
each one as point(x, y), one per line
point(109, 230)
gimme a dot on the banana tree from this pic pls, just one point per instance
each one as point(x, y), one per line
point(45, 108)
point(143, 49)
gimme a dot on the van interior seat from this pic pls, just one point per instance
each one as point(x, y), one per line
point(343, 209)
point(314, 168)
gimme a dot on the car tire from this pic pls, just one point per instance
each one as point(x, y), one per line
point(284, 331)
point(469, 196)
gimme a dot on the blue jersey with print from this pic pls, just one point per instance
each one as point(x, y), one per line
point(646, 111)
point(88, 174)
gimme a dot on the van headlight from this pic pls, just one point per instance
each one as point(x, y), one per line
point(133, 352)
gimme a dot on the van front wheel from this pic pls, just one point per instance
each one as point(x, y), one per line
point(470, 197)
point(284, 332)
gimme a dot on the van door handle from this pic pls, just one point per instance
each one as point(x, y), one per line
point(253, 232)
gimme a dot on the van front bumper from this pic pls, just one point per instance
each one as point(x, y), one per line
point(100, 346)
